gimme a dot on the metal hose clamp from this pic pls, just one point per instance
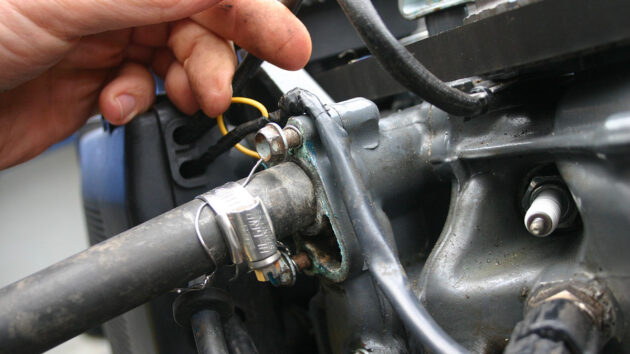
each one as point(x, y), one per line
point(245, 224)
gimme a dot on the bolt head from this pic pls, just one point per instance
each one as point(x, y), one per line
point(271, 143)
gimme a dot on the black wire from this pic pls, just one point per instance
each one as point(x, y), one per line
point(250, 64)
point(227, 141)
point(383, 264)
point(404, 67)
point(244, 72)
point(194, 129)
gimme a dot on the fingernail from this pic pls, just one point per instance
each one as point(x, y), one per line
point(127, 105)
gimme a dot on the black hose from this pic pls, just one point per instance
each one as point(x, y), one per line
point(204, 311)
point(238, 339)
point(404, 67)
point(116, 275)
point(208, 332)
point(383, 264)
point(110, 278)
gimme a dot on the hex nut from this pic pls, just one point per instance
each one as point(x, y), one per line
point(593, 298)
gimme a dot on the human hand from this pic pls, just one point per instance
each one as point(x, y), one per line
point(64, 60)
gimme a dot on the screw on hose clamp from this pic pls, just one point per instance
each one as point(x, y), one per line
point(245, 224)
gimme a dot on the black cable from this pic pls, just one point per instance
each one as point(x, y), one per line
point(383, 264)
point(245, 71)
point(194, 129)
point(250, 64)
point(404, 67)
point(237, 134)
point(228, 141)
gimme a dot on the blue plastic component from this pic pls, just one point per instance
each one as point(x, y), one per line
point(102, 161)
point(103, 182)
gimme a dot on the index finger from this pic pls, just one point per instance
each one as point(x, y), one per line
point(265, 28)
point(69, 19)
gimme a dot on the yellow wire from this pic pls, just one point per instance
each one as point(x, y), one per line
point(224, 130)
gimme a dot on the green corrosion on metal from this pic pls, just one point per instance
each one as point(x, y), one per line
point(325, 262)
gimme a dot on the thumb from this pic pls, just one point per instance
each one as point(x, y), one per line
point(70, 19)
